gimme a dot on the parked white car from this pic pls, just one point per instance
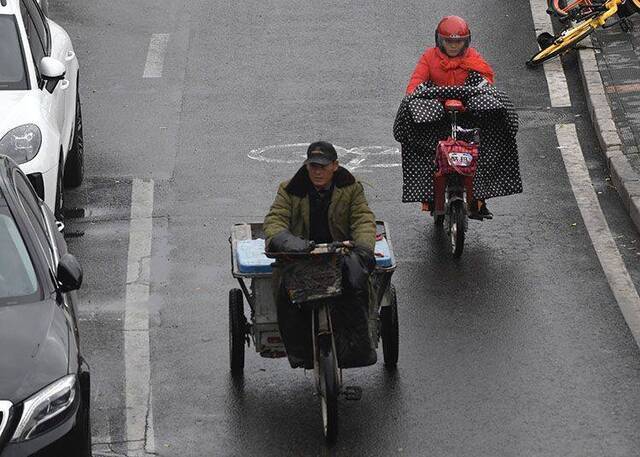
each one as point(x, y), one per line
point(40, 116)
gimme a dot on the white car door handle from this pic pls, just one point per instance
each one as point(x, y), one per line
point(70, 56)
point(64, 84)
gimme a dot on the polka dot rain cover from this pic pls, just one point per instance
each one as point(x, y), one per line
point(421, 122)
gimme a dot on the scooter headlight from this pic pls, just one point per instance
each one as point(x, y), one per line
point(40, 410)
point(21, 143)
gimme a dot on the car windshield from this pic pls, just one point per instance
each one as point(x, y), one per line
point(12, 71)
point(18, 281)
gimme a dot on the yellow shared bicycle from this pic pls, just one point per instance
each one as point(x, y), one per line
point(583, 17)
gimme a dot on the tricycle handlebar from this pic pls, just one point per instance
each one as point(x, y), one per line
point(336, 247)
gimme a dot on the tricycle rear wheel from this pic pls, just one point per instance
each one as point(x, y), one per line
point(237, 328)
point(390, 331)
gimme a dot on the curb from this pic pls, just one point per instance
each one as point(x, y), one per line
point(623, 177)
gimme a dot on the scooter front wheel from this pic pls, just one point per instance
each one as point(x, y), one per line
point(457, 226)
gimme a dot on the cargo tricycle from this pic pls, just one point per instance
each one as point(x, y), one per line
point(313, 282)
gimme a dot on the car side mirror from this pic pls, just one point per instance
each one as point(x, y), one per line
point(69, 273)
point(52, 71)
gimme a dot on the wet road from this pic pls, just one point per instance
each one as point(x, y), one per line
point(519, 348)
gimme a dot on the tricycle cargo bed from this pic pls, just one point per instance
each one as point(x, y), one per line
point(249, 263)
point(248, 251)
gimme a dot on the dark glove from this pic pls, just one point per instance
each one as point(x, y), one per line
point(366, 257)
point(285, 241)
point(358, 264)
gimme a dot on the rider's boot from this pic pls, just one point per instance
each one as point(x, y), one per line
point(478, 210)
point(428, 206)
point(484, 211)
point(474, 210)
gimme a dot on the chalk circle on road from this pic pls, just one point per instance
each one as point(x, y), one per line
point(362, 158)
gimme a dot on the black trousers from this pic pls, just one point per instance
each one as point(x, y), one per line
point(349, 316)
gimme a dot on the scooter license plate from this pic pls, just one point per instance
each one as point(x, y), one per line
point(460, 159)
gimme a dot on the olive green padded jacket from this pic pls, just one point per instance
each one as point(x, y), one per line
point(349, 215)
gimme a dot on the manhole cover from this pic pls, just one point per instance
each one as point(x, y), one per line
point(530, 119)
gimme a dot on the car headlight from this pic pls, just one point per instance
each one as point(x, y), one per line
point(21, 143)
point(39, 409)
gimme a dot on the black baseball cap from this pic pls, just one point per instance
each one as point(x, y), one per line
point(322, 153)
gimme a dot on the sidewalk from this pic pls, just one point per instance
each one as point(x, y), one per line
point(611, 78)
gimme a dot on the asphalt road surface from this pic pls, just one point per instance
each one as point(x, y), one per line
point(192, 113)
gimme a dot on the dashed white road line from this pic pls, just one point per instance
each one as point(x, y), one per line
point(614, 268)
point(556, 80)
point(155, 55)
point(139, 417)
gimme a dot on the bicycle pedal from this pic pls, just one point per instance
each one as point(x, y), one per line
point(352, 393)
point(545, 39)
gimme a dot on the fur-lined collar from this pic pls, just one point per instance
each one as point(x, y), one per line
point(300, 183)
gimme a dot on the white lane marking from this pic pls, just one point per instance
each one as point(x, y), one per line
point(150, 437)
point(556, 79)
point(614, 268)
point(557, 82)
point(139, 419)
point(359, 157)
point(155, 55)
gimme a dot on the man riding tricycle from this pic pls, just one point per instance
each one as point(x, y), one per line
point(327, 299)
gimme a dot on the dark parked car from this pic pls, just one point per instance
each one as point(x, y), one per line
point(44, 381)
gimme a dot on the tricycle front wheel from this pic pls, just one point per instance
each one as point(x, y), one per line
point(237, 329)
point(329, 390)
point(390, 331)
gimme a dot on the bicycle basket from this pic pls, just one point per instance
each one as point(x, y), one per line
point(312, 277)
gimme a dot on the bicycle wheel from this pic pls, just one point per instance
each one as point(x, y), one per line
point(237, 326)
point(457, 225)
point(562, 8)
point(390, 331)
point(561, 44)
point(628, 8)
point(329, 390)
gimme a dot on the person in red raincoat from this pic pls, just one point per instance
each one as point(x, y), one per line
point(449, 64)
